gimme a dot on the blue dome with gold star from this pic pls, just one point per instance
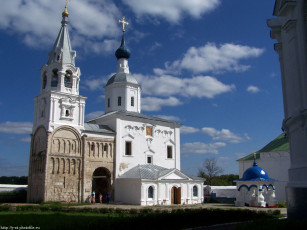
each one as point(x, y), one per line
point(122, 51)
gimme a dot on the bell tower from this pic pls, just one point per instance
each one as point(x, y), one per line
point(59, 102)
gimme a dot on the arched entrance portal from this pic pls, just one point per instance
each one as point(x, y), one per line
point(101, 183)
point(176, 195)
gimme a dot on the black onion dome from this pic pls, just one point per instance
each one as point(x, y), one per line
point(122, 51)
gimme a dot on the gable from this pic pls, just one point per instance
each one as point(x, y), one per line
point(174, 175)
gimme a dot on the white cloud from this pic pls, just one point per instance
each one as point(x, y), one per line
point(93, 115)
point(38, 22)
point(96, 83)
point(16, 127)
point(200, 86)
point(188, 130)
point(172, 10)
point(26, 139)
point(155, 104)
point(168, 117)
point(223, 135)
point(213, 58)
point(201, 148)
point(171, 87)
point(155, 46)
point(252, 89)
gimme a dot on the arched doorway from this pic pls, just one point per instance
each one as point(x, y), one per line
point(176, 195)
point(101, 183)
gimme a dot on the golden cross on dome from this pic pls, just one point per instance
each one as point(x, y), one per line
point(65, 13)
point(66, 2)
point(123, 22)
point(254, 155)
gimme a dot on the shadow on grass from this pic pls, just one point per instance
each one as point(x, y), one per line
point(129, 219)
point(275, 224)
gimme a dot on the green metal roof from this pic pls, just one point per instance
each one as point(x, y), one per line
point(280, 143)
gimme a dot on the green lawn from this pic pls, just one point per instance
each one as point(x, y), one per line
point(126, 219)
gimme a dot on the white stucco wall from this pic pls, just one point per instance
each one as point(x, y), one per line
point(276, 164)
point(135, 191)
point(125, 91)
point(12, 187)
point(53, 105)
point(128, 191)
point(134, 130)
point(221, 191)
point(144, 146)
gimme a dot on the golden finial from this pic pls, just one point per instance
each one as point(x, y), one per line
point(65, 13)
point(254, 155)
point(123, 22)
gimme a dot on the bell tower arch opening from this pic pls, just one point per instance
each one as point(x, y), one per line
point(101, 183)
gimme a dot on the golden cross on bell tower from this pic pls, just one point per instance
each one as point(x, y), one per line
point(123, 22)
point(65, 13)
point(66, 2)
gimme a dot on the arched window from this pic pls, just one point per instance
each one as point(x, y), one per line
point(68, 80)
point(150, 192)
point(44, 80)
point(55, 79)
point(195, 190)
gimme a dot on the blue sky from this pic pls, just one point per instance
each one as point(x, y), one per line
point(208, 64)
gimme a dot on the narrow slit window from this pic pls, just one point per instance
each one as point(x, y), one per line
point(119, 101)
point(195, 190)
point(149, 160)
point(169, 152)
point(128, 148)
point(132, 101)
point(150, 192)
point(108, 102)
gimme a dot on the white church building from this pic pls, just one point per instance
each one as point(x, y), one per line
point(133, 156)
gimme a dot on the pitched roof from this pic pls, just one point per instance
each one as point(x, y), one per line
point(152, 172)
point(280, 143)
point(96, 128)
point(135, 114)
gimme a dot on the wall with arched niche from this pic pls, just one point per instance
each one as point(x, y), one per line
point(64, 165)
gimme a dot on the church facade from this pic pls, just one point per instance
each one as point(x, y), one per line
point(132, 156)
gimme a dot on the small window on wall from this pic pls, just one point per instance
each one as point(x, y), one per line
point(67, 113)
point(195, 190)
point(150, 192)
point(149, 160)
point(132, 101)
point(128, 148)
point(169, 152)
point(149, 131)
point(108, 102)
point(119, 101)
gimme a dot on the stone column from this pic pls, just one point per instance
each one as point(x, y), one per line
point(289, 28)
